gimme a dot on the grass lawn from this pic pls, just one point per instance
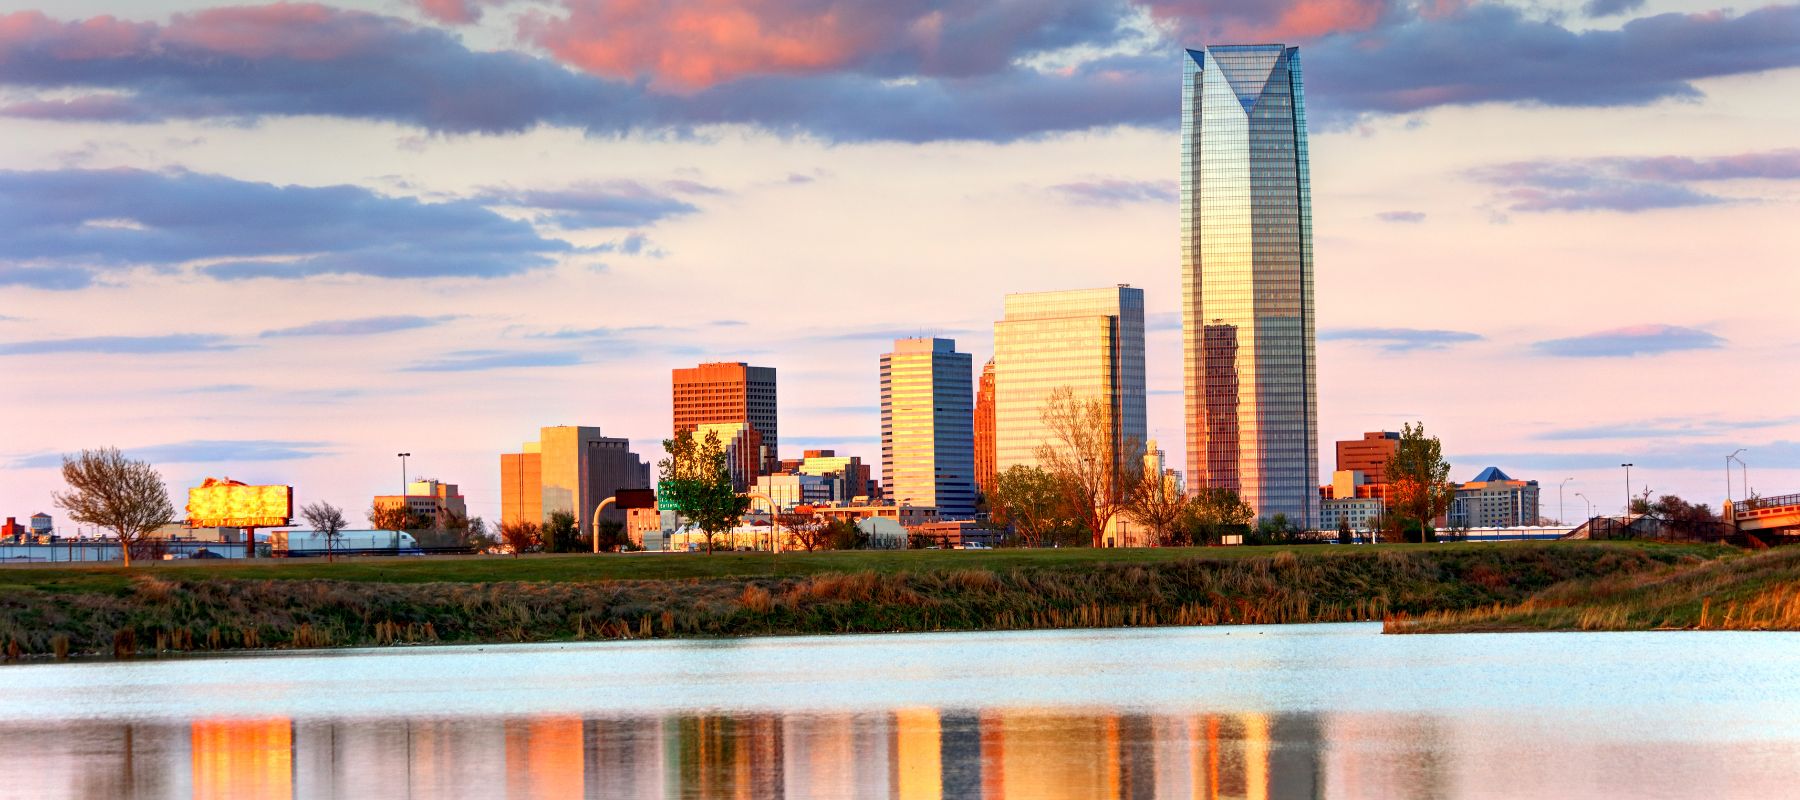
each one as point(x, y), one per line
point(584, 567)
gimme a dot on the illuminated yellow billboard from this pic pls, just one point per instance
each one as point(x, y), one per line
point(230, 504)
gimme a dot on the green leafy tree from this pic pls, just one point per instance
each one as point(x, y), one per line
point(1421, 483)
point(697, 482)
point(842, 534)
point(613, 537)
point(560, 534)
point(1028, 500)
point(122, 495)
point(478, 537)
point(1212, 514)
point(1344, 536)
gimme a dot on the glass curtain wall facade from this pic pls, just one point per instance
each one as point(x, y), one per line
point(1247, 279)
point(928, 426)
point(1090, 340)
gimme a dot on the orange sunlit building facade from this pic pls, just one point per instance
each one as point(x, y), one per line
point(985, 458)
point(726, 393)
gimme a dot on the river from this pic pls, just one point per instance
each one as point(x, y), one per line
point(1252, 712)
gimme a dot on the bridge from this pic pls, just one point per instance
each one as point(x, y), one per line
point(1773, 514)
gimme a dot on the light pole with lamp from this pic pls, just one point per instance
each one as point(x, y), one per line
point(1745, 468)
point(1590, 506)
point(1627, 516)
point(1559, 500)
point(405, 507)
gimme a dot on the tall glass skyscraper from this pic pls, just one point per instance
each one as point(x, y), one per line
point(928, 426)
point(1247, 279)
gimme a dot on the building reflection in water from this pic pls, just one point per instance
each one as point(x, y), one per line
point(901, 754)
point(905, 754)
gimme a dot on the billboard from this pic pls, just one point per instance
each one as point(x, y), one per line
point(229, 504)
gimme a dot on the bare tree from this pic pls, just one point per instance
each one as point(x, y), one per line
point(520, 536)
point(1159, 504)
point(123, 495)
point(805, 531)
point(328, 521)
point(1096, 469)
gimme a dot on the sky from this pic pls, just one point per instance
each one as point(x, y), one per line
point(282, 243)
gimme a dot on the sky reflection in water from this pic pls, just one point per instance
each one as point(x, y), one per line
point(1300, 711)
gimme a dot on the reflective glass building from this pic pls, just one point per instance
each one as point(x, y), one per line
point(1247, 279)
point(928, 426)
point(1090, 341)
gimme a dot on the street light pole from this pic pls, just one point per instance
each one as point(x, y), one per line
point(1745, 467)
point(1627, 516)
point(405, 507)
point(1590, 505)
point(1559, 500)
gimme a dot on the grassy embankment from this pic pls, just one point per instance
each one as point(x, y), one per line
point(1746, 592)
point(198, 606)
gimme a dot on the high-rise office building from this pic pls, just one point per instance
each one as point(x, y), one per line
point(927, 426)
point(1088, 340)
point(728, 392)
point(569, 468)
point(1247, 279)
point(984, 430)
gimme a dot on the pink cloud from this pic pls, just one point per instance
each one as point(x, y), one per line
point(689, 45)
point(1222, 21)
point(692, 45)
point(308, 32)
point(99, 37)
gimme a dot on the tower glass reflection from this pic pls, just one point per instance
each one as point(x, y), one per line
point(1247, 279)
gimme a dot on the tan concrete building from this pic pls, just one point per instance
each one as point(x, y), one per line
point(569, 468)
point(433, 501)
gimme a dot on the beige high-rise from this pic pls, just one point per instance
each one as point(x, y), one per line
point(1089, 340)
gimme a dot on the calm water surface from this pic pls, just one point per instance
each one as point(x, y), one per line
point(1251, 712)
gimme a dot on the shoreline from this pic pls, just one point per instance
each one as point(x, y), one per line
point(1417, 588)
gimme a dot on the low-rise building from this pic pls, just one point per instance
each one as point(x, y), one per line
point(909, 516)
point(434, 501)
point(1494, 500)
point(789, 490)
point(1362, 513)
point(958, 533)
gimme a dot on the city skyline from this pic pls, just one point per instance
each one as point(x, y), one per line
point(1436, 201)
